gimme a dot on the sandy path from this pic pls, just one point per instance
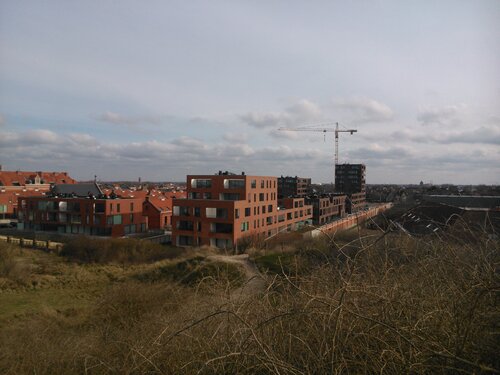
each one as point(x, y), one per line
point(254, 282)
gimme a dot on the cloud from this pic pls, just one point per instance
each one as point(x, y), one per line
point(488, 135)
point(447, 115)
point(377, 152)
point(364, 110)
point(2, 120)
point(300, 113)
point(118, 119)
point(235, 137)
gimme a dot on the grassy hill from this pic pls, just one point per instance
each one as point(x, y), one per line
point(363, 302)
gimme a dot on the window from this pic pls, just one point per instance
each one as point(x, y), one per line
point(118, 207)
point(229, 197)
point(131, 206)
point(261, 197)
point(253, 184)
point(117, 219)
point(185, 225)
point(234, 184)
point(244, 226)
point(247, 212)
point(263, 209)
point(98, 207)
point(221, 228)
point(262, 184)
point(184, 211)
point(269, 220)
point(222, 213)
point(207, 195)
point(197, 211)
point(237, 213)
point(201, 184)
point(270, 208)
point(131, 218)
point(211, 212)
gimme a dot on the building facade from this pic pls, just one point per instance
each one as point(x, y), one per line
point(15, 184)
point(293, 187)
point(350, 179)
point(327, 207)
point(76, 215)
point(223, 209)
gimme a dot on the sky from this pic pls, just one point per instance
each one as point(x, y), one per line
point(162, 89)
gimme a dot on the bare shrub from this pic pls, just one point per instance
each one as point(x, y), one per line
point(122, 251)
point(390, 304)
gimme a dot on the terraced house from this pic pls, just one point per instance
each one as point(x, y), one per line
point(225, 208)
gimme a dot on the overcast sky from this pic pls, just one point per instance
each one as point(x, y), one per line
point(160, 89)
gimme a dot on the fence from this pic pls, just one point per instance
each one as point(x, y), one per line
point(35, 244)
point(348, 222)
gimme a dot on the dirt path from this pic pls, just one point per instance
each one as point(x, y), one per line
point(254, 282)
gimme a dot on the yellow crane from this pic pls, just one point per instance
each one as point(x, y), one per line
point(324, 129)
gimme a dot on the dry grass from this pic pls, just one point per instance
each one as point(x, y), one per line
point(384, 304)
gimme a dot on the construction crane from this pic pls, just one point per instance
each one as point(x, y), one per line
point(323, 129)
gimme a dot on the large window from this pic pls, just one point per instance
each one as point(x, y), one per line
point(98, 207)
point(185, 225)
point(221, 228)
point(201, 184)
point(180, 211)
point(229, 196)
point(234, 184)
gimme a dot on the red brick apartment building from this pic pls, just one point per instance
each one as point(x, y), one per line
point(82, 213)
point(327, 207)
point(15, 184)
point(222, 209)
point(157, 207)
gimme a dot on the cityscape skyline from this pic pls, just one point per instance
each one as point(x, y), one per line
point(122, 90)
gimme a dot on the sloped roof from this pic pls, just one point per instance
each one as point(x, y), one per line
point(21, 178)
point(161, 203)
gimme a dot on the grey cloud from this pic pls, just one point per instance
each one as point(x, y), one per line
point(377, 152)
point(118, 119)
point(447, 115)
point(300, 113)
point(364, 110)
point(481, 135)
point(235, 137)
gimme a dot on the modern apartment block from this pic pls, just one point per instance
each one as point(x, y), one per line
point(350, 180)
point(327, 207)
point(222, 209)
point(293, 187)
point(89, 213)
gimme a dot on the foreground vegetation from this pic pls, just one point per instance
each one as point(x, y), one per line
point(360, 303)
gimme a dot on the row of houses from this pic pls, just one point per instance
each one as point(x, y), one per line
point(220, 210)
